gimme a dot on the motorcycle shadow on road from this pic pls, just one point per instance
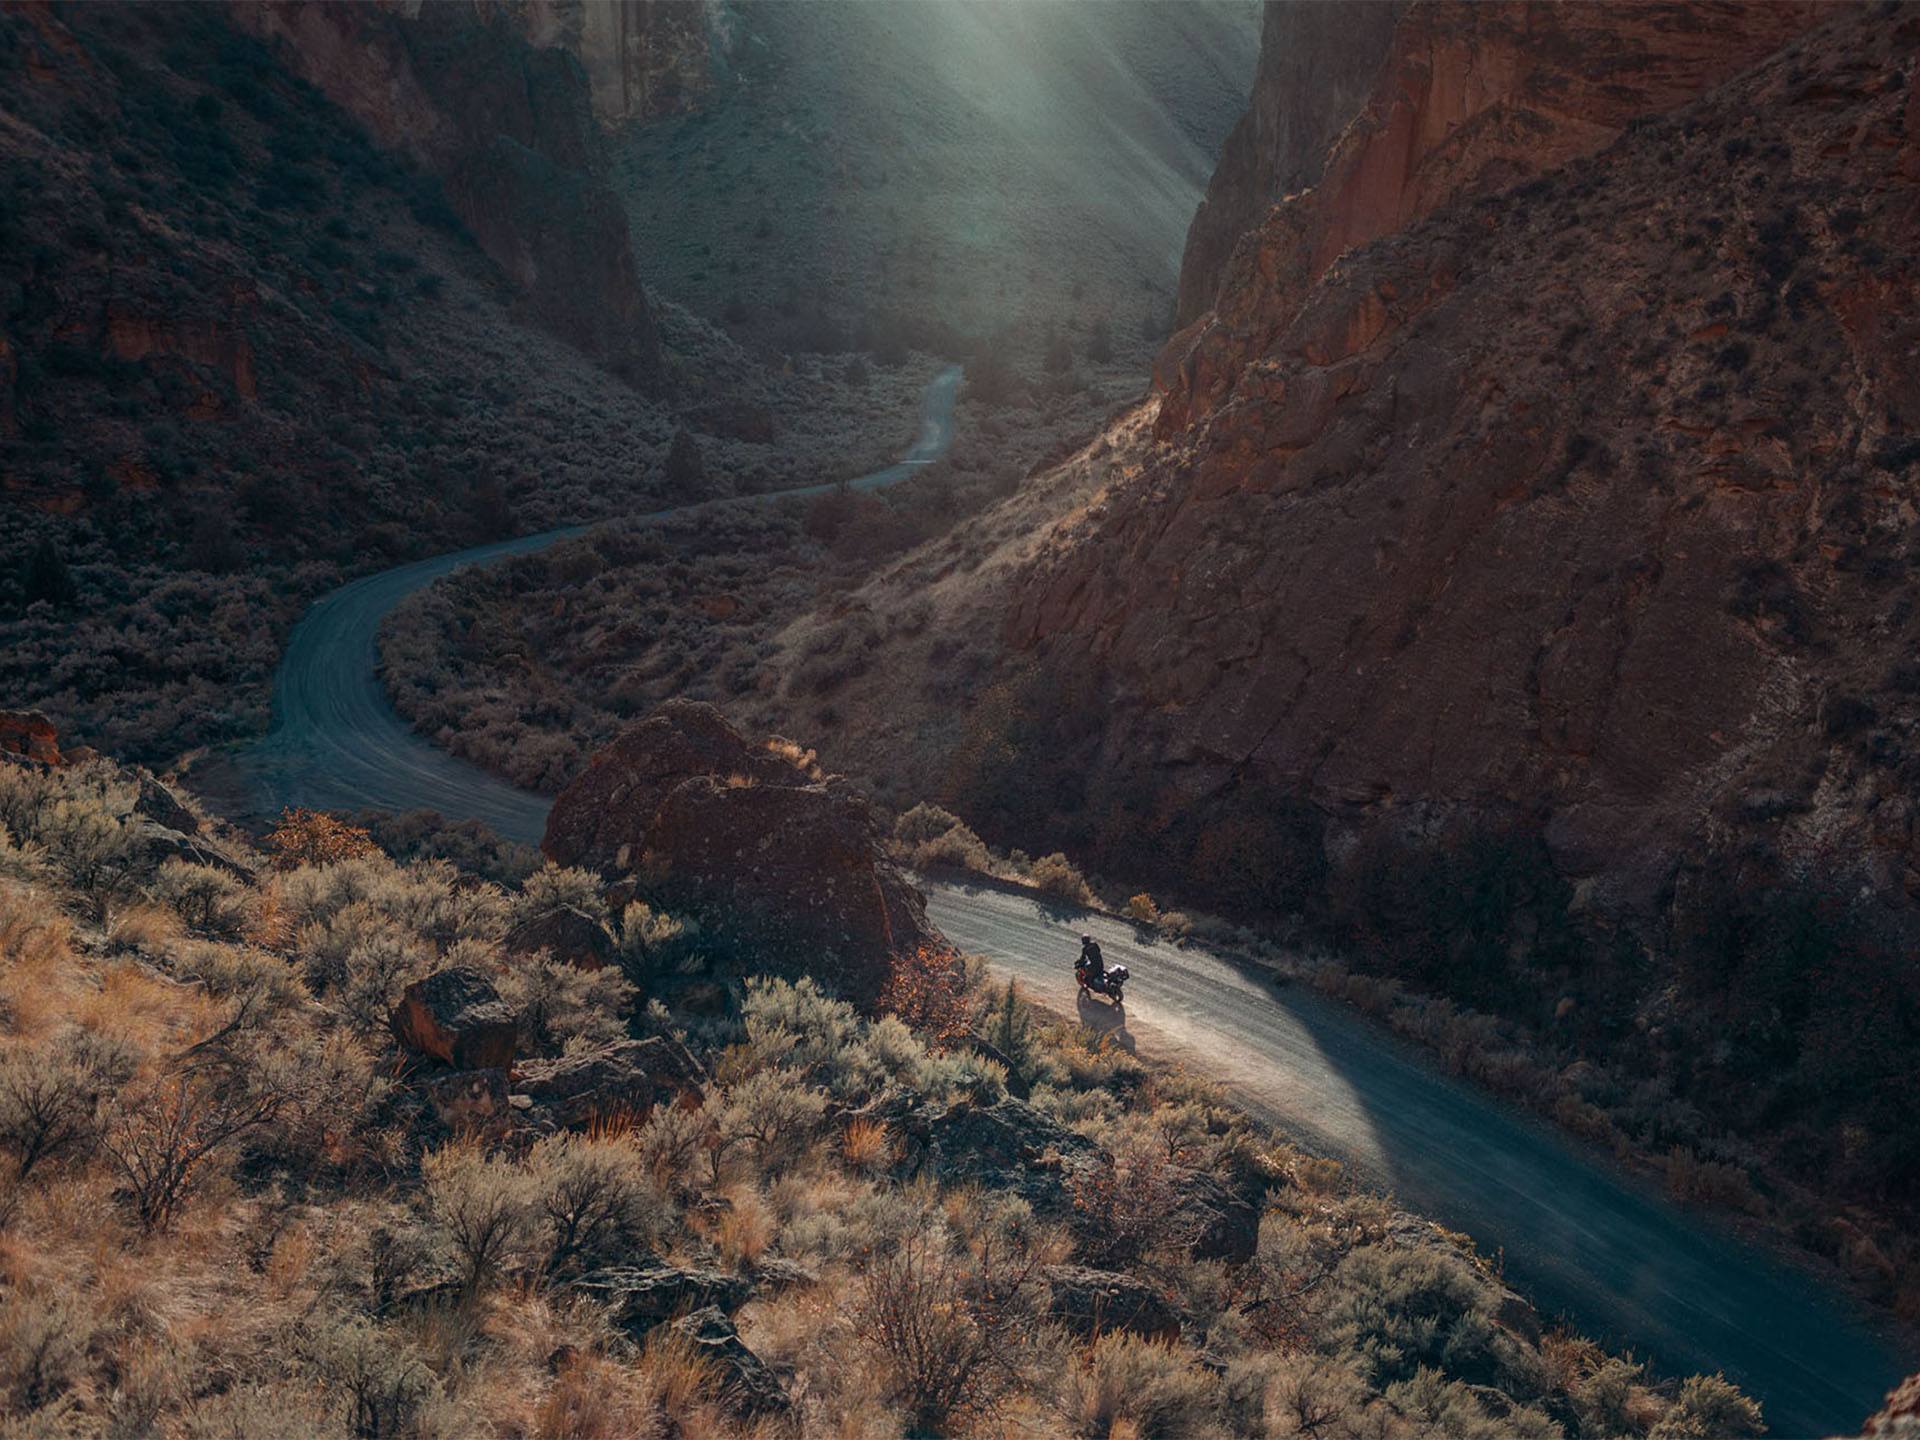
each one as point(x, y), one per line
point(1105, 1019)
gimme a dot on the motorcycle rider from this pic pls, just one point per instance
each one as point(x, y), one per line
point(1091, 962)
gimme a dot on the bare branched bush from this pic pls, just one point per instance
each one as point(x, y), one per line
point(952, 1328)
point(50, 1098)
point(484, 1208)
point(381, 1386)
point(1129, 1208)
point(670, 1143)
point(44, 1336)
point(163, 1138)
point(594, 1197)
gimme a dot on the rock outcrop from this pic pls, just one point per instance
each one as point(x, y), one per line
point(1471, 99)
point(1099, 1302)
point(747, 1384)
point(626, 1078)
point(641, 1297)
point(748, 840)
point(1317, 67)
point(458, 1018)
point(642, 58)
point(29, 734)
point(508, 125)
point(1899, 1418)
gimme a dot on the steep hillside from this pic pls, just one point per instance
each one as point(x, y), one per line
point(320, 1142)
point(509, 128)
point(244, 351)
point(889, 171)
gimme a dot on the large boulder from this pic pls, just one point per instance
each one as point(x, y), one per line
point(1098, 1302)
point(754, 843)
point(458, 1018)
point(568, 934)
point(749, 1387)
point(639, 1297)
point(628, 1077)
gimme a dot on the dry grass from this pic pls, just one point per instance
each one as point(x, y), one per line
point(330, 1260)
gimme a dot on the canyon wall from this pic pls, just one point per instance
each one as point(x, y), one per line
point(509, 126)
point(642, 58)
point(1318, 63)
point(1542, 467)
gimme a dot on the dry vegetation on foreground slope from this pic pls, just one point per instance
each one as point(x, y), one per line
point(232, 1206)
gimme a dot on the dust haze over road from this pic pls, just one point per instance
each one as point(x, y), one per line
point(1582, 1240)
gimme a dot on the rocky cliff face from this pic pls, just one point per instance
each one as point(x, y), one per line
point(1471, 99)
point(643, 58)
point(1580, 507)
point(509, 126)
point(1318, 63)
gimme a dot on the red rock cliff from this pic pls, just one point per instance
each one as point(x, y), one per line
point(1582, 505)
point(1471, 98)
point(1318, 63)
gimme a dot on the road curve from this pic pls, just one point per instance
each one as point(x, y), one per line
point(336, 742)
point(1579, 1237)
point(1585, 1241)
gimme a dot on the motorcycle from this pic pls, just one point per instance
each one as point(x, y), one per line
point(1111, 983)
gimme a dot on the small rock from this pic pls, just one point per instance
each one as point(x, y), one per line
point(1097, 1302)
point(640, 1297)
point(749, 1386)
point(458, 1018)
point(471, 1101)
point(568, 934)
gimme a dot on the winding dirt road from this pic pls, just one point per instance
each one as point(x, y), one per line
point(1582, 1239)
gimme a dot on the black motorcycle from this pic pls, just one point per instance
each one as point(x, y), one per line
point(1109, 982)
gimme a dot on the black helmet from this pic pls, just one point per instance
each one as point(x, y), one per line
point(1086, 939)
